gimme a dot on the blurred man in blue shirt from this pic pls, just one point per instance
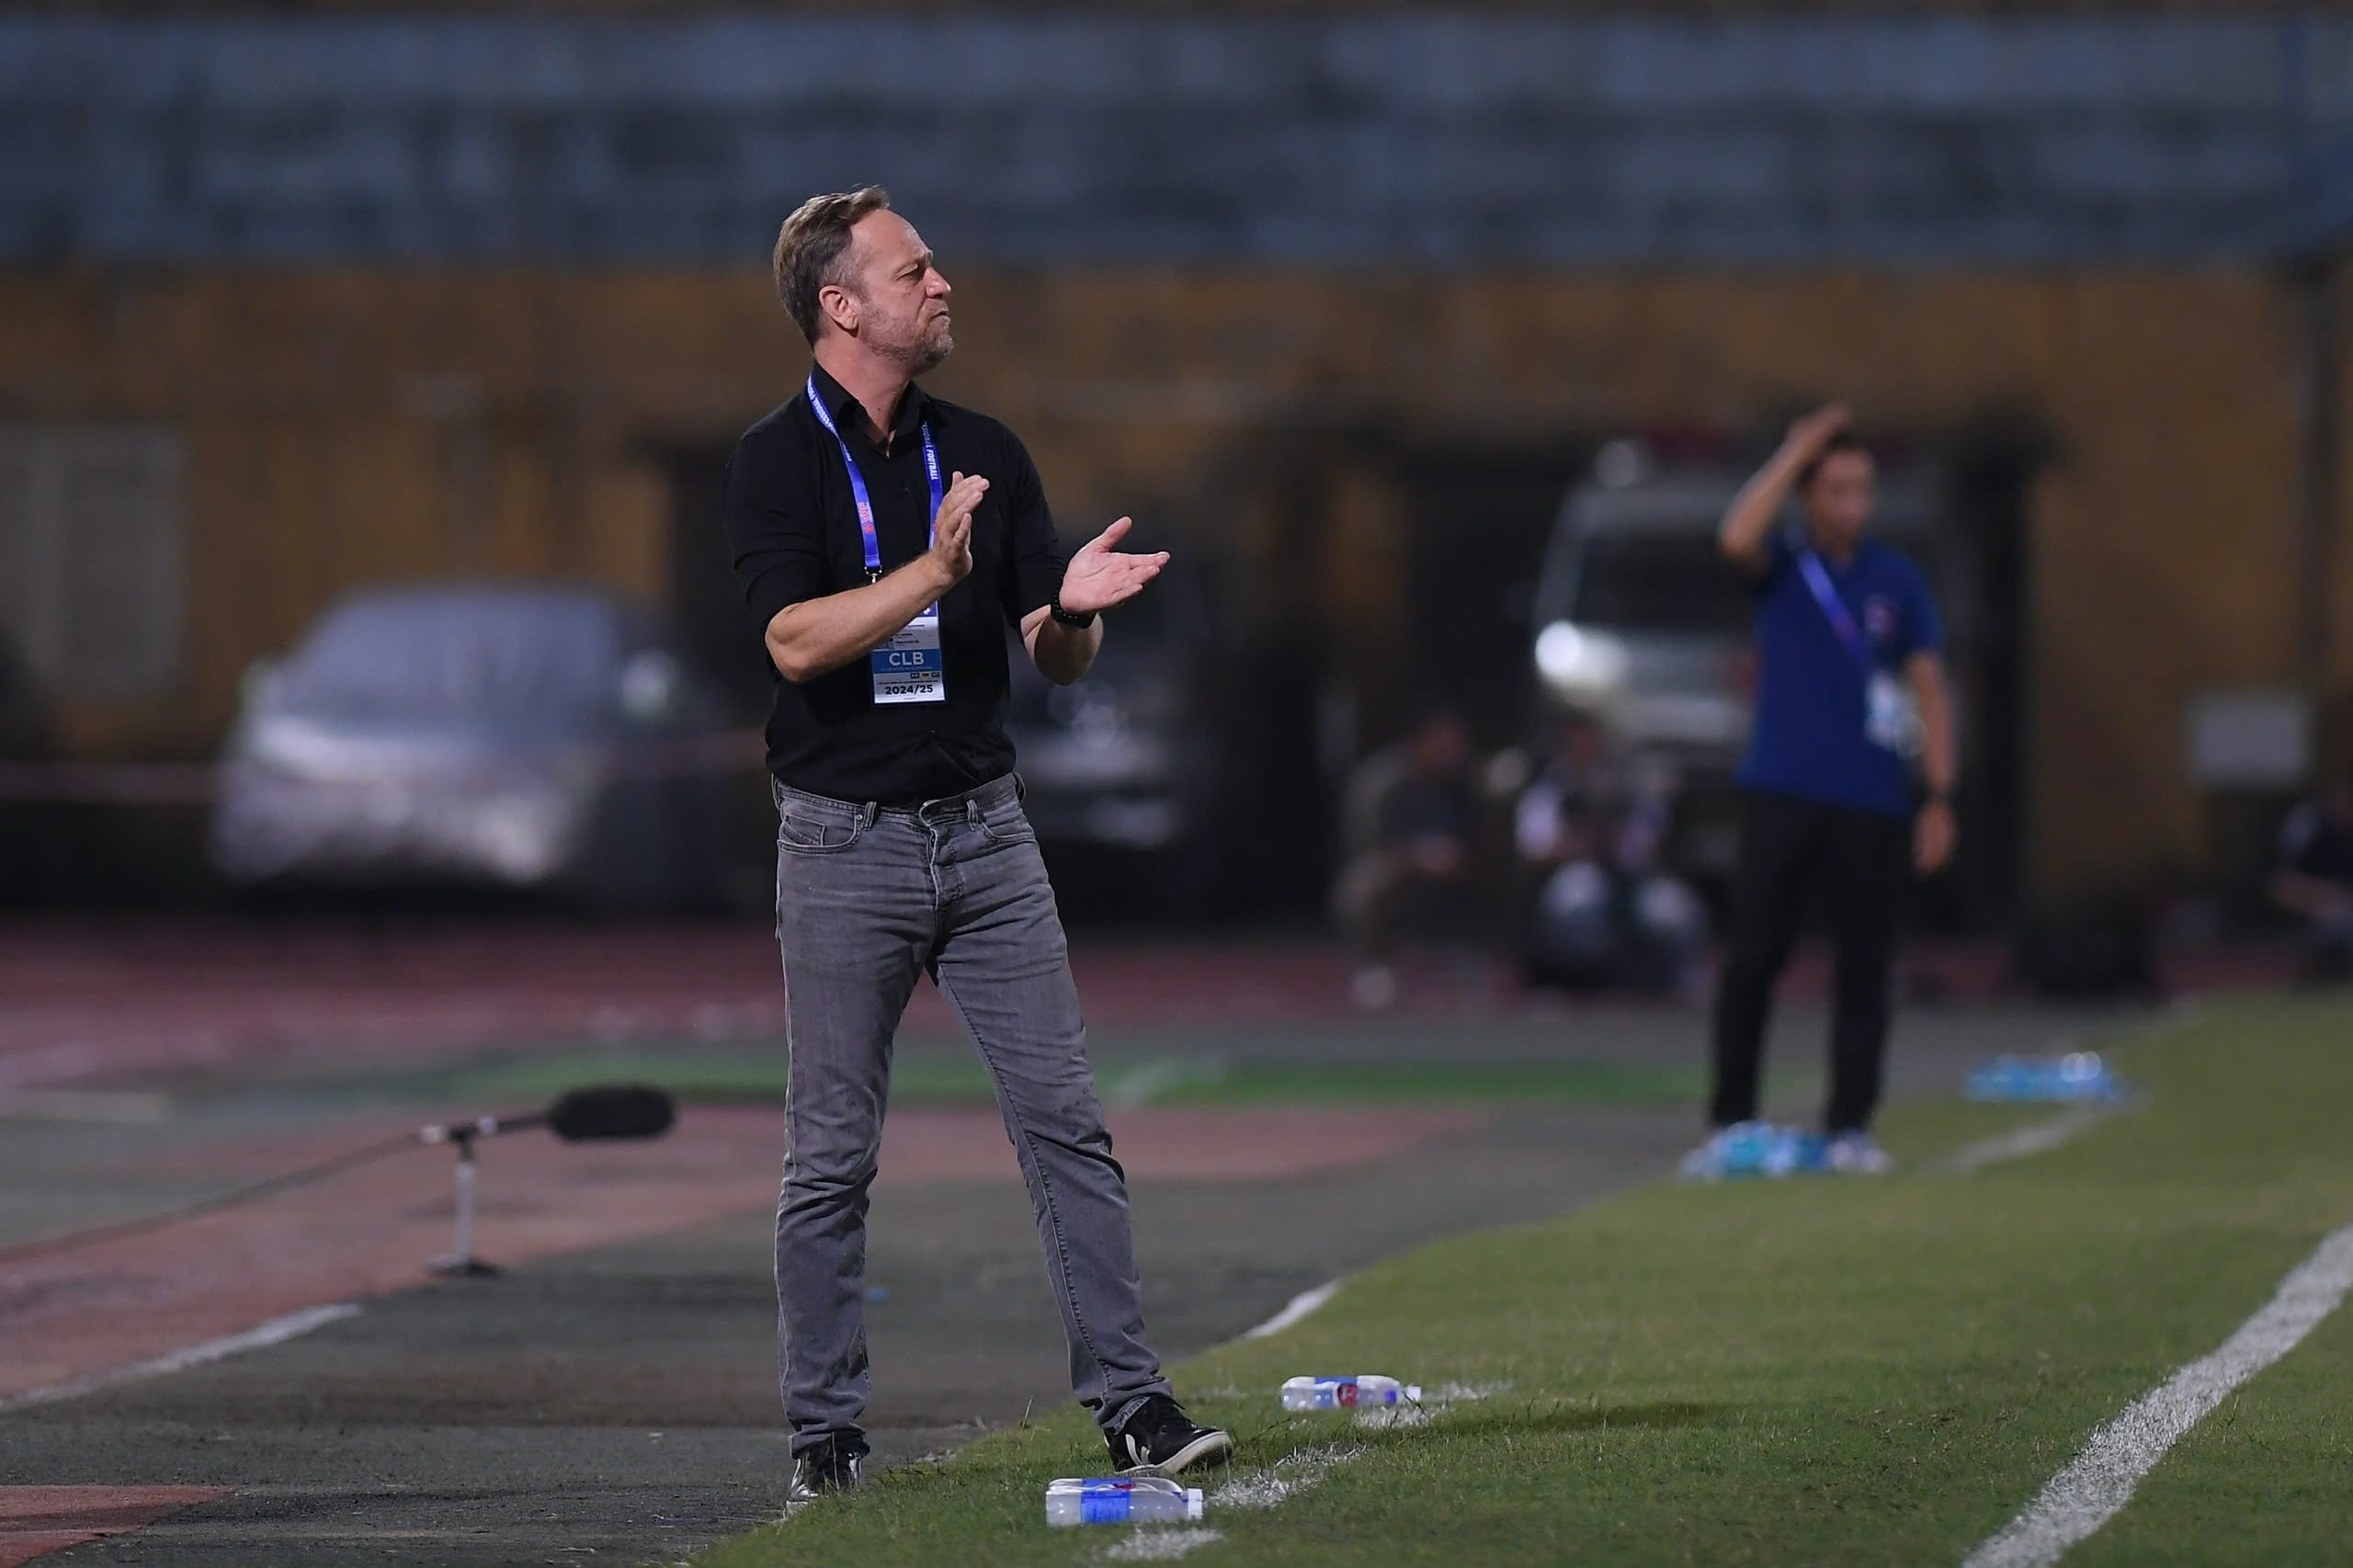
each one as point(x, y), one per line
point(1847, 786)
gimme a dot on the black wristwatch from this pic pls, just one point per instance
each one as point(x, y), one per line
point(1081, 621)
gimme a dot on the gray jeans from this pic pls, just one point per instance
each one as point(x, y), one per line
point(866, 898)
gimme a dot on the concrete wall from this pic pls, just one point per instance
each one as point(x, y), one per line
point(346, 426)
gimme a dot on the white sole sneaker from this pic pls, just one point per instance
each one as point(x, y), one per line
point(1210, 1448)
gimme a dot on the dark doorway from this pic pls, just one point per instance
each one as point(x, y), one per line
point(1994, 459)
point(1478, 523)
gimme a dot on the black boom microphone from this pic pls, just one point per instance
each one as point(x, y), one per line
point(592, 1114)
point(611, 1110)
point(598, 1113)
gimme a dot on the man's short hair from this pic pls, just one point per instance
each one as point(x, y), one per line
point(809, 248)
point(1844, 441)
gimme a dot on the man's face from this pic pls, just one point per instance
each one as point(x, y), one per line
point(901, 299)
point(1839, 499)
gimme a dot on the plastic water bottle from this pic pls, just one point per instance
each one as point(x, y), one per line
point(1348, 1393)
point(1793, 1152)
point(2006, 1078)
point(2077, 1075)
point(1990, 1081)
point(1747, 1148)
point(1139, 1500)
point(2088, 1076)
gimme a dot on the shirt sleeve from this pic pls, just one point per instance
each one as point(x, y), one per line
point(773, 529)
point(1035, 558)
point(1923, 631)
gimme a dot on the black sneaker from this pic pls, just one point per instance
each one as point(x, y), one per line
point(1158, 1438)
point(825, 1467)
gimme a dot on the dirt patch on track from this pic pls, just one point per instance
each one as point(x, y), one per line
point(72, 1314)
point(37, 1520)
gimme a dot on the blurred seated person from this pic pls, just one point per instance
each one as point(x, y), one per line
point(1602, 908)
point(2315, 879)
point(1409, 822)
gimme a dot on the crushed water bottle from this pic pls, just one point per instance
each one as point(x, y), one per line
point(1793, 1152)
point(2077, 1075)
point(1127, 1500)
point(1757, 1149)
point(1748, 1148)
point(1348, 1393)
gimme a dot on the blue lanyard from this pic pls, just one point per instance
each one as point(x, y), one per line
point(1833, 609)
point(857, 482)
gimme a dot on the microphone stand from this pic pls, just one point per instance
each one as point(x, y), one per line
point(460, 1260)
point(631, 1111)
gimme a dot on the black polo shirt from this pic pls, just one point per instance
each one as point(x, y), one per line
point(793, 526)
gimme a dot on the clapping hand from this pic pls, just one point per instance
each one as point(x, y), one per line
point(1100, 576)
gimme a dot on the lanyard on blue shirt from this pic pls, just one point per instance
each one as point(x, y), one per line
point(1833, 609)
point(857, 482)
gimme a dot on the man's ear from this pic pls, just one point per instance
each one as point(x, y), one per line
point(840, 307)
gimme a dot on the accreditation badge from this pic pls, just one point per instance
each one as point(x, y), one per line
point(910, 667)
point(1889, 720)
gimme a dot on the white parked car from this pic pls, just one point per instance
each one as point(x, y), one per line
point(528, 736)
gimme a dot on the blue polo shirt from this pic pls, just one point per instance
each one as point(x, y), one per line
point(1809, 739)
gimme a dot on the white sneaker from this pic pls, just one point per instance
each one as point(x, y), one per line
point(1373, 987)
point(1857, 1153)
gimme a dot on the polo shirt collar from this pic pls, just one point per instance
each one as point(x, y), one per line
point(850, 415)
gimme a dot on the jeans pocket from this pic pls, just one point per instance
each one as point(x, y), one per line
point(816, 836)
point(1007, 823)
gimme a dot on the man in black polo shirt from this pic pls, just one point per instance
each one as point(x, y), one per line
point(884, 540)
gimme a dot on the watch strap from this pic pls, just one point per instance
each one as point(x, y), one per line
point(1065, 616)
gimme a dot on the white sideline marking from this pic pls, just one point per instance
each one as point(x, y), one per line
point(2044, 1136)
point(2037, 1138)
point(1300, 1305)
point(277, 1331)
point(1149, 1545)
point(1286, 1478)
point(2100, 1480)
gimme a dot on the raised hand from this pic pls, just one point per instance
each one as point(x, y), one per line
point(951, 545)
point(1808, 434)
point(1099, 576)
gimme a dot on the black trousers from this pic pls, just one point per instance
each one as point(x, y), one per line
point(1859, 864)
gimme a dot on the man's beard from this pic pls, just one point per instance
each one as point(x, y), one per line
point(932, 353)
point(922, 351)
